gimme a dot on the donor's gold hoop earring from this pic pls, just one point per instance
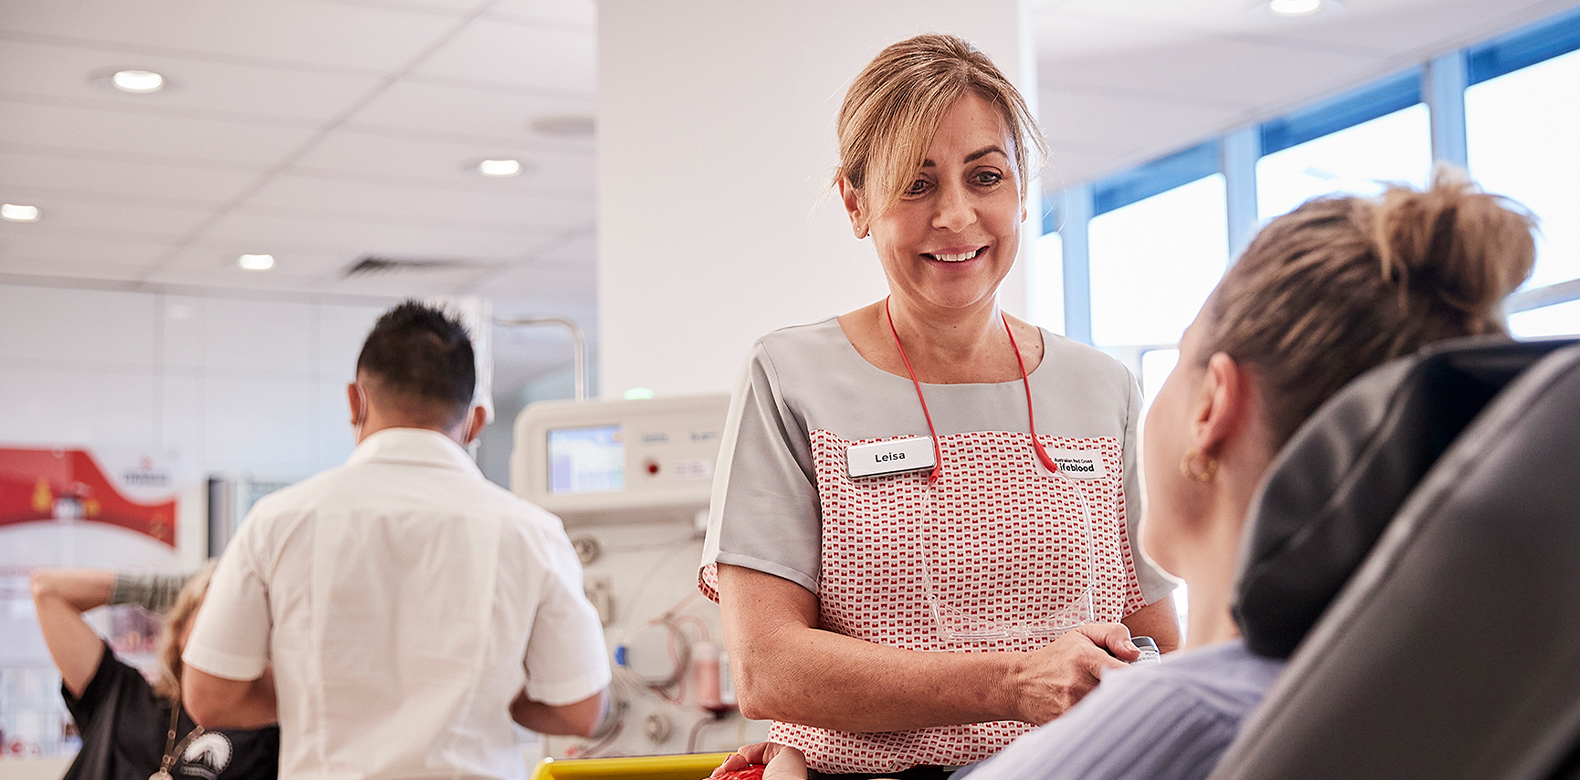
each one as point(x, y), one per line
point(1209, 467)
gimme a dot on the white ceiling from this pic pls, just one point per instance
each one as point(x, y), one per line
point(316, 131)
point(321, 131)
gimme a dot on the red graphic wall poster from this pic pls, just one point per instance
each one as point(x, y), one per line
point(48, 484)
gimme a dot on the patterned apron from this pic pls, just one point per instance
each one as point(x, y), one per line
point(996, 555)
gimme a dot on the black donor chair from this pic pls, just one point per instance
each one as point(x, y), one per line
point(1415, 552)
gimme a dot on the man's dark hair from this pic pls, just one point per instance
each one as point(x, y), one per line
point(419, 353)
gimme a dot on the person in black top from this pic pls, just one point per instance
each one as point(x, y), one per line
point(132, 730)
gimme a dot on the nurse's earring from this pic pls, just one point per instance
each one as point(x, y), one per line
point(1209, 467)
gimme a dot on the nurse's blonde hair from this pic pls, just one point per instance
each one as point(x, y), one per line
point(183, 612)
point(896, 103)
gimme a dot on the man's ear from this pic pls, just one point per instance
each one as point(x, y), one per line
point(854, 207)
point(355, 399)
point(1223, 405)
point(479, 419)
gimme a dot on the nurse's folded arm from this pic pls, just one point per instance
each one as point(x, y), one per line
point(788, 669)
point(220, 703)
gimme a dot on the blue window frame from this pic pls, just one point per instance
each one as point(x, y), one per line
point(1156, 177)
point(1522, 48)
point(1394, 93)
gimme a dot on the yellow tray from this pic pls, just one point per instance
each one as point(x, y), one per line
point(687, 766)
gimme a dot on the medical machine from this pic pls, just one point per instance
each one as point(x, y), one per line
point(631, 479)
point(614, 461)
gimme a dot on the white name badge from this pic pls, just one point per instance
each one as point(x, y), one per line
point(891, 457)
point(1080, 464)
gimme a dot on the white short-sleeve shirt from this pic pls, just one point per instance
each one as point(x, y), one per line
point(404, 601)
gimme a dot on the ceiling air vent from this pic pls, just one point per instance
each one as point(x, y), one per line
point(373, 265)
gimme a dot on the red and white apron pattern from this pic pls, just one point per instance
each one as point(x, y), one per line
point(997, 533)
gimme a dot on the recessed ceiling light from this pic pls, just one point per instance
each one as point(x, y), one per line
point(15, 212)
point(256, 262)
point(1294, 7)
point(138, 82)
point(499, 168)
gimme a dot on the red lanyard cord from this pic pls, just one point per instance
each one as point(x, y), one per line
point(938, 454)
point(1031, 419)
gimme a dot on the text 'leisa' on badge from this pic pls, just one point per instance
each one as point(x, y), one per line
point(891, 457)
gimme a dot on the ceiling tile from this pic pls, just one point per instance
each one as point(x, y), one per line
point(403, 204)
point(548, 171)
point(576, 14)
point(133, 134)
point(493, 52)
point(1063, 38)
point(1364, 26)
point(1229, 73)
point(576, 252)
point(77, 214)
point(331, 34)
point(39, 249)
point(292, 273)
point(454, 7)
point(1404, 26)
point(470, 111)
point(1104, 120)
point(82, 73)
point(59, 171)
point(276, 234)
point(296, 259)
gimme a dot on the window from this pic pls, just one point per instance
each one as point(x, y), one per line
point(1156, 365)
point(1047, 283)
point(1520, 132)
point(1157, 240)
point(1350, 144)
point(1154, 261)
point(1560, 319)
point(1357, 160)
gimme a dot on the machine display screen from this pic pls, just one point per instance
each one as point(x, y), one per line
point(586, 460)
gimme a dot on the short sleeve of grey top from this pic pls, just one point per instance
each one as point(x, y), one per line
point(765, 511)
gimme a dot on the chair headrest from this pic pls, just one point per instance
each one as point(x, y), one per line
point(1339, 481)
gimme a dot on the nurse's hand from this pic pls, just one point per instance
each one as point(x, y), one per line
point(1057, 676)
point(784, 763)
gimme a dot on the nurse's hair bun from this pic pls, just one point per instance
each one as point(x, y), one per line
point(1341, 285)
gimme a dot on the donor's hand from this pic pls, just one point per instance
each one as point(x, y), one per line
point(766, 760)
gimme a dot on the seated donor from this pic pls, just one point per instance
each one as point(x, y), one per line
point(1334, 288)
point(410, 608)
point(132, 730)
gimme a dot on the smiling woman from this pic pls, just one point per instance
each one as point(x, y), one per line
point(910, 573)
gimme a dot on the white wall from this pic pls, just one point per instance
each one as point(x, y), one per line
point(715, 142)
point(225, 384)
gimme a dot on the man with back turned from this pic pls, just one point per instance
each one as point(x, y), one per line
point(410, 609)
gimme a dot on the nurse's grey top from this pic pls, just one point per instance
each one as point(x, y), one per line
point(998, 554)
point(764, 514)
